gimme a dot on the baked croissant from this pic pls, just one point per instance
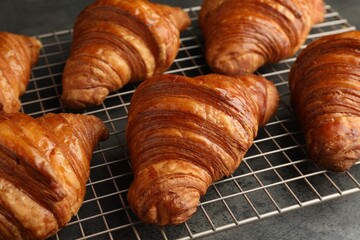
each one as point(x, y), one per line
point(44, 165)
point(185, 133)
point(18, 54)
point(325, 93)
point(241, 36)
point(117, 41)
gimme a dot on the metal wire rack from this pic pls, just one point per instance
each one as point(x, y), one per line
point(276, 175)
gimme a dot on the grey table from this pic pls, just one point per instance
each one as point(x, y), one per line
point(40, 16)
point(332, 220)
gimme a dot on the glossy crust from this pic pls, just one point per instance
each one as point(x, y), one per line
point(241, 36)
point(185, 133)
point(18, 54)
point(325, 93)
point(117, 41)
point(44, 165)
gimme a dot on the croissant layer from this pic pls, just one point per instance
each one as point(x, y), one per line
point(117, 41)
point(241, 36)
point(18, 54)
point(185, 133)
point(44, 165)
point(325, 93)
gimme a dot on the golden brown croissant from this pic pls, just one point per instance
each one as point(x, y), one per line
point(18, 54)
point(325, 93)
point(117, 41)
point(185, 133)
point(243, 35)
point(44, 165)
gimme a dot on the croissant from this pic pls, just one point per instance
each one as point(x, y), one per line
point(241, 36)
point(117, 41)
point(44, 165)
point(185, 133)
point(325, 93)
point(18, 54)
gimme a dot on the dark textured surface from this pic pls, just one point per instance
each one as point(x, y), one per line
point(333, 220)
point(349, 9)
point(34, 17)
point(40, 16)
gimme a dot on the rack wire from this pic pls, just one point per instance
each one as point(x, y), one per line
point(276, 175)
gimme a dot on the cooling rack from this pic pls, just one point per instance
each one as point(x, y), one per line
point(276, 175)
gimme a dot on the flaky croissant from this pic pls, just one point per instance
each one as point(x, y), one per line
point(18, 54)
point(185, 133)
point(325, 93)
point(44, 165)
point(241, 36)
point(117, 41)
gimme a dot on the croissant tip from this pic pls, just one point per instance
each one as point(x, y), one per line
point(165, 207)
point(102, 130)
point(82, 98)
point(336, 168)
point(333, 144)
point(235, 64)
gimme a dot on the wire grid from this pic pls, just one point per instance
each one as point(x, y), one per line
point(276, 175)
